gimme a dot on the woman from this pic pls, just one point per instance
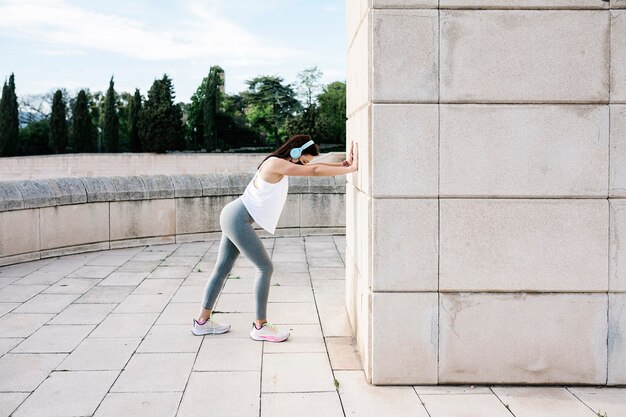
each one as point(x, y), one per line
point(262, 202)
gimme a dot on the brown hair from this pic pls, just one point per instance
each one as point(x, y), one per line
point(294, 142)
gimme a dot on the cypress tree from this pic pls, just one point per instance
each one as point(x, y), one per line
point(111, 131)
point(82, 126)
point(9, 120)
point(133, 123)
point(212, 97)
point(58, 125)
point(161, 120)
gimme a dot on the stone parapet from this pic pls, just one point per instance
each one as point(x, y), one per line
point(50, 217)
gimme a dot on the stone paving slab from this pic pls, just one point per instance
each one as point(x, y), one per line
point(68, 394)
point(108, 334)
point(141, 404)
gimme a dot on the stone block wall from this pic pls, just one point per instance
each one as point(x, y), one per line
point(59, 216)
point(484, 224)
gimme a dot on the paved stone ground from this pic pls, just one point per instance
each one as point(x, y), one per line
point(107, 334)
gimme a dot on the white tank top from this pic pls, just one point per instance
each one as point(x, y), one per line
point(265, 201)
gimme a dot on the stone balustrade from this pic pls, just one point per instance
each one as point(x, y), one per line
point(57, 216)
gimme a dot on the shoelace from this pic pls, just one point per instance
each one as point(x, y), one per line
point(210, 322)
point(270, 326)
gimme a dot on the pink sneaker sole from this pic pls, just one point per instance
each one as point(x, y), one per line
point(270, 338)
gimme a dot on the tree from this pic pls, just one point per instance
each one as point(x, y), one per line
point(195, 115)
point(133, 123)
point(332, 113)
point(214, 89)
point(82, 126)
point(269, 107)
point(58, 124)
point(9, 120)
point(35, 137)
point(111, 131)
point(96, 103)
point(161, 120)
point(308, 87)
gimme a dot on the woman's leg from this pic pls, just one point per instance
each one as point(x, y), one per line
point(226, 256)
point(242, 234)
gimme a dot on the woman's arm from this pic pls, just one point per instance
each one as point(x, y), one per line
point(330, 164)
point(280, 166)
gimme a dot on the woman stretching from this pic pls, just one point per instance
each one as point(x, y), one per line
point(262, 202)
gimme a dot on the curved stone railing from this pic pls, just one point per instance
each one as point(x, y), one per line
point(58, 216)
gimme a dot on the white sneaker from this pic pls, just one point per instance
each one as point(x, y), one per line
point(209, 327)
point(269, 333)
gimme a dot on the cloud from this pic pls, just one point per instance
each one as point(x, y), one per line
point(201, 33)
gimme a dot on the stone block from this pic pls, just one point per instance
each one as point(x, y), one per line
point(129, 188)
point(358, 76)
point(10, 196)
point(355, 11)
point(405, 48)
point(89, 224)
point(298, 185)
point(618, 56)
point(404, 244)
point(618, 4)
point(617, 173)
point(158, 186)
point(523, 245)
point(290, 216)
point(322, 210)
point(415, 329)
point(358, 130)
point(239, 181)
point(363, 332)
point(617, 339)
point(523, 338)
point(522, 4)
point(186, 185)
point(363, 237)
point(617, 254)
point(524, 150)
point(133, 219)
point(214, 183)
point(36, 193)
point(324, 184)
point(405, 4)
point(529, 56)
point(99, 188)
point(196, 215)
point(405, 140)
point(19, 232)
point(351, 286)
point(68, 190)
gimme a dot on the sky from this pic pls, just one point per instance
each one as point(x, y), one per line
point(50, 44)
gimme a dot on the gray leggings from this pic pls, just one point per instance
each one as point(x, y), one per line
point(238, 236)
